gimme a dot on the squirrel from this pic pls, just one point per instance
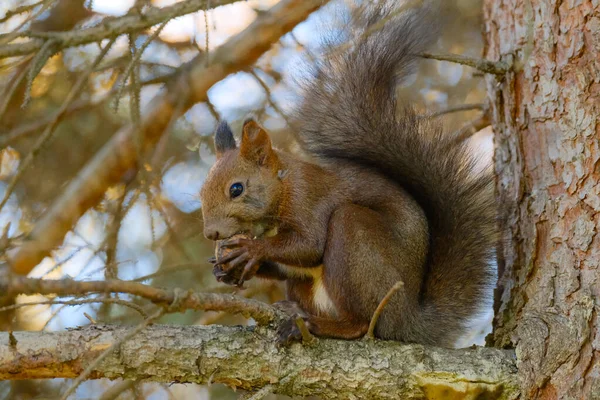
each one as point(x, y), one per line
point(386, 197)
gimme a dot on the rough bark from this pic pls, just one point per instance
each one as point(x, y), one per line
point(547, 131)
point(247, 358)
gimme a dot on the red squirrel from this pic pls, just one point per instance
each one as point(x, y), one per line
point(386, 197)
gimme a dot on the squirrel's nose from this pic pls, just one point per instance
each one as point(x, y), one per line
point(211, 234)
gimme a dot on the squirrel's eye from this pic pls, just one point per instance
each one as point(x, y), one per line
point(236, 189)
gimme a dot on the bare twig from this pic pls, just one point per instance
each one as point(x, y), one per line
point(89, 318)
point(19, 10)
point(171, 231)
point(261, 312)
point(208, 319)
point(371, 332)
point(207, 41)
point(462, 107)
point(112, 235)
point(471, 128)
point(45, 4)
point(307, 337)
point(79, 302)
point(489, 67)
point(136, 56)
point(83, 376)
point(36, 65)
point(170, 270)
point(116, 390)
point(7, 96)
point(270, 98)
point(81, 105)
point(110, 28)
point(376, 27)
point(260, 394)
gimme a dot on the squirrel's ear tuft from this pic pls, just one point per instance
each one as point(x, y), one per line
point(223, 139)
point(256, 145)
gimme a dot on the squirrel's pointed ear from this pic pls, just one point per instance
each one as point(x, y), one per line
point(256, 145)
point(223, 139)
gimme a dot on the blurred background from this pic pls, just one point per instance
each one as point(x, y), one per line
point(150, 229)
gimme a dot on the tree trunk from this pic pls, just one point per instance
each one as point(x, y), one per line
point(545, 116)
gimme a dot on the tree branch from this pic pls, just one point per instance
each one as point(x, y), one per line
point(119, 155)
point(109, 28)
point(453, 109)
point(261, 312)
point(486, 66)
point(247, 358)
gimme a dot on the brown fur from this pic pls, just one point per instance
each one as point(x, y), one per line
point(390, 198)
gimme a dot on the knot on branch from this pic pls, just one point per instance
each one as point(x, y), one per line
point(180, 296)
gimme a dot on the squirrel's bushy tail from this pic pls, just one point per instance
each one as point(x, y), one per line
point(350, 112)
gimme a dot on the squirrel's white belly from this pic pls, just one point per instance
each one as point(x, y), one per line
point(321, 299)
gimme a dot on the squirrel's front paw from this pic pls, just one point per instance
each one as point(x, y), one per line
point(288, 331)
point(235, 263)
point(238, 257)
point(228, 276)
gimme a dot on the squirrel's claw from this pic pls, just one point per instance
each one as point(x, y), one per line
point(238, 242)
point(241, 264)
point(236, 257)
point(249, 270)
point(288, 331)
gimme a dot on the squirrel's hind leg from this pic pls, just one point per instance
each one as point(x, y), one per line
point(366, 254)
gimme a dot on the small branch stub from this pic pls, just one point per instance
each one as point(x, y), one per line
point(307, 337)
point(486, 66)
point(371, 332)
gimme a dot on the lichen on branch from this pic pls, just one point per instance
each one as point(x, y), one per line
point(248, 358)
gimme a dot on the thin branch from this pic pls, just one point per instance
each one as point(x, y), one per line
point(376, 27)
point(112, 235)
point(462, 107)
point(209, 319)
point(35, 67)
point(82, 105)
point(20, 10)
point(7, 96)
point(136, 56)
point(45, 4)
point(471, 128)
point(88, 370)
point(169, 270)
point(79, 302)
point(116, 390)
point(307, 337)
point(489, 67)
point(178, 242)
point(260, 394)
point(261, 312)
point(270, 98)
point(371, 332)
point(89, 318)
point(108, 29)
point(207, 41)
